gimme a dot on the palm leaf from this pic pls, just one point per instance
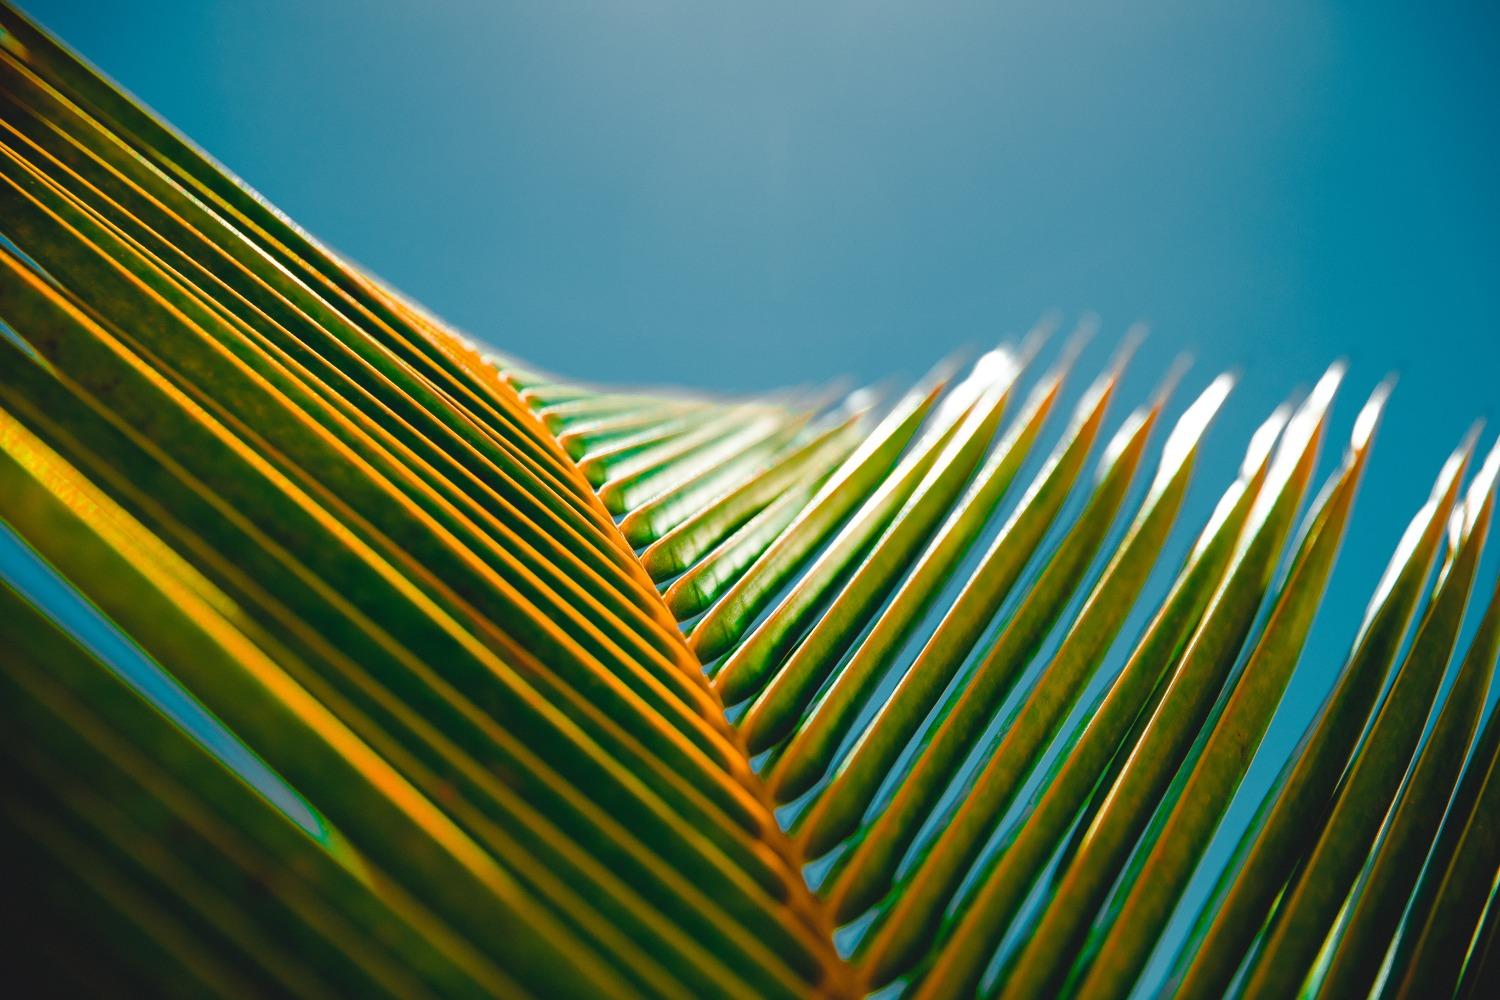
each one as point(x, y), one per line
point(343, 657)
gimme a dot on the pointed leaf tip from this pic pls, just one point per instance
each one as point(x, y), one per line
point(1192, 425)
point(1369, 415)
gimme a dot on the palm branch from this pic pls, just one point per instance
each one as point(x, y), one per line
point(343, 656)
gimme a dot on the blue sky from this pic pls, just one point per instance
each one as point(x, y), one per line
point(741, 199)
point(648, 190)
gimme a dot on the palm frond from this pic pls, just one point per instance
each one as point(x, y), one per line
point(345, 657)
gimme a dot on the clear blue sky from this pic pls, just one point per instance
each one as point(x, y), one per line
point(744, 199)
